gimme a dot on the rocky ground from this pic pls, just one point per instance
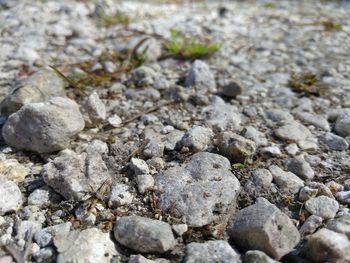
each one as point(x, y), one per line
point(115, 149)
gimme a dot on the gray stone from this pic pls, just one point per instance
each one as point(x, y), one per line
point(45, 236)
point(144, 182)
point(318, 121)
point(322, 206)
point(306, 193)
point(120, 195)
point(333, 142)
point(232, 88)
point(93, 110)
point(262, 177)
point(235, 147)
point(173, 139)
point(139, 166)
point(300, 167)
point(143, 76)
point(144, 235)
point(151, 49)
point(154, 148)
point(279, 115)
point(45, 126)
point(340, 225)
point(197, 138)
point(200, 77)
point(10, 197)
point(221, 116)
point(343, 197)
point(97, 147)
point(342, 125)
point(264, 227)
point(273, 150)
point(75, 176)
point(199, 191)
point(180, 229)
point(256, 256)
point(253, 134)
point(293, 132)
point(86, 246)
point(42, 86)
point(327, 246)
point(142, 259)
point(286, 181)
point(292, 149)
point(26, 228)
point(211, 251)
point(311, 224)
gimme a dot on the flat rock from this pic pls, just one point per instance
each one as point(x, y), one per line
point(327, 246)
point(42, 86)
point(75, 176)
point(10, 197)
point(286, 181)
point(264, 227)
point(87, 246)
point(322, 206)
point(144, 235)
point(211, 251)
point(221, 116)
point(200, 190)
point(235, 147)
point(200, 77)
point(44, 127)
point(293, 132)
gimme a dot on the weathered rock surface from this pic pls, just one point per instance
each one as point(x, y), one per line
point(286, 181)
point(200, 77)
point(198, 191)
point(144, 235)
point(44, 127)
point(93, 110)
point(197, 138)
point(293, 132)
point(10, 197)
point(211, 251)
point(256, 256)
point(322, 206)
point(301, 168)
point(264, 227)
point(75, 176)
point(42, 86)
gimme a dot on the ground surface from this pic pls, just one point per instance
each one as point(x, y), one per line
point(275, 98)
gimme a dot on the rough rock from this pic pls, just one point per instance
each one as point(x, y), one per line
point(144, 235)
point(253, 134)
point(293, 132)
point(342, 125)
point(139, 166)
point(327, 246)
point(75, 176)
point(144, 182)
point(42, 86)
point(203, 189)
point(93, 110)
point(314, 119)
point(211, 251)
point(262, 177)
point(197, 138)
point(300, 167)
point(45, 236)
point(87, 246)
point(264, 227)
point(120, 195)
point(286, 181)
point(43, 127)
point(310, 225)
point(200, 77)
point(221, 116)
point(256, 256)
point(340, 225)
point(12, 170)
point(322, 206)
point(343, 197)
point(235, 147)
point(333, 142)
point(10, 197)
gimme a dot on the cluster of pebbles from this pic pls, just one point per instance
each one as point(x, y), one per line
point(203, 160)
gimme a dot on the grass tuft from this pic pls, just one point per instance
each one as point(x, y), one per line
point(330, 25)
point(118, 18)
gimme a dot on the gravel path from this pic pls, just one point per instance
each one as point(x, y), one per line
point(162, 131)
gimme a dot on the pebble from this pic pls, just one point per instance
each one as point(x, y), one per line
point(180, 229)
point(144, 182)
point(343, 197)
point(258, 137)
point(200, 77)
point(342, 125)
point(262, 178)
point(293, 132)
point(89, 245)
point(264, 227)
point(292, 149)
point(93, 110)
point(306, 193)
point(256, 256)
point(45, 236)
point(75, 176)
point(327, 246)
point(316, 120)
point(311, 224)
point(340, 225)
point(322, 206)
point(333, 142)
point(114, 120)
point(235, 147)
point(12, 170)
point(44, 127)
point(211, 251)
point(144, 235)
point(301, 168)
point(10, 197)
point(279, 115)
point(139, 166)
point(231, 88)
point(286, 181)
point(120, 195)
point(203, 189)
point(197, 138)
